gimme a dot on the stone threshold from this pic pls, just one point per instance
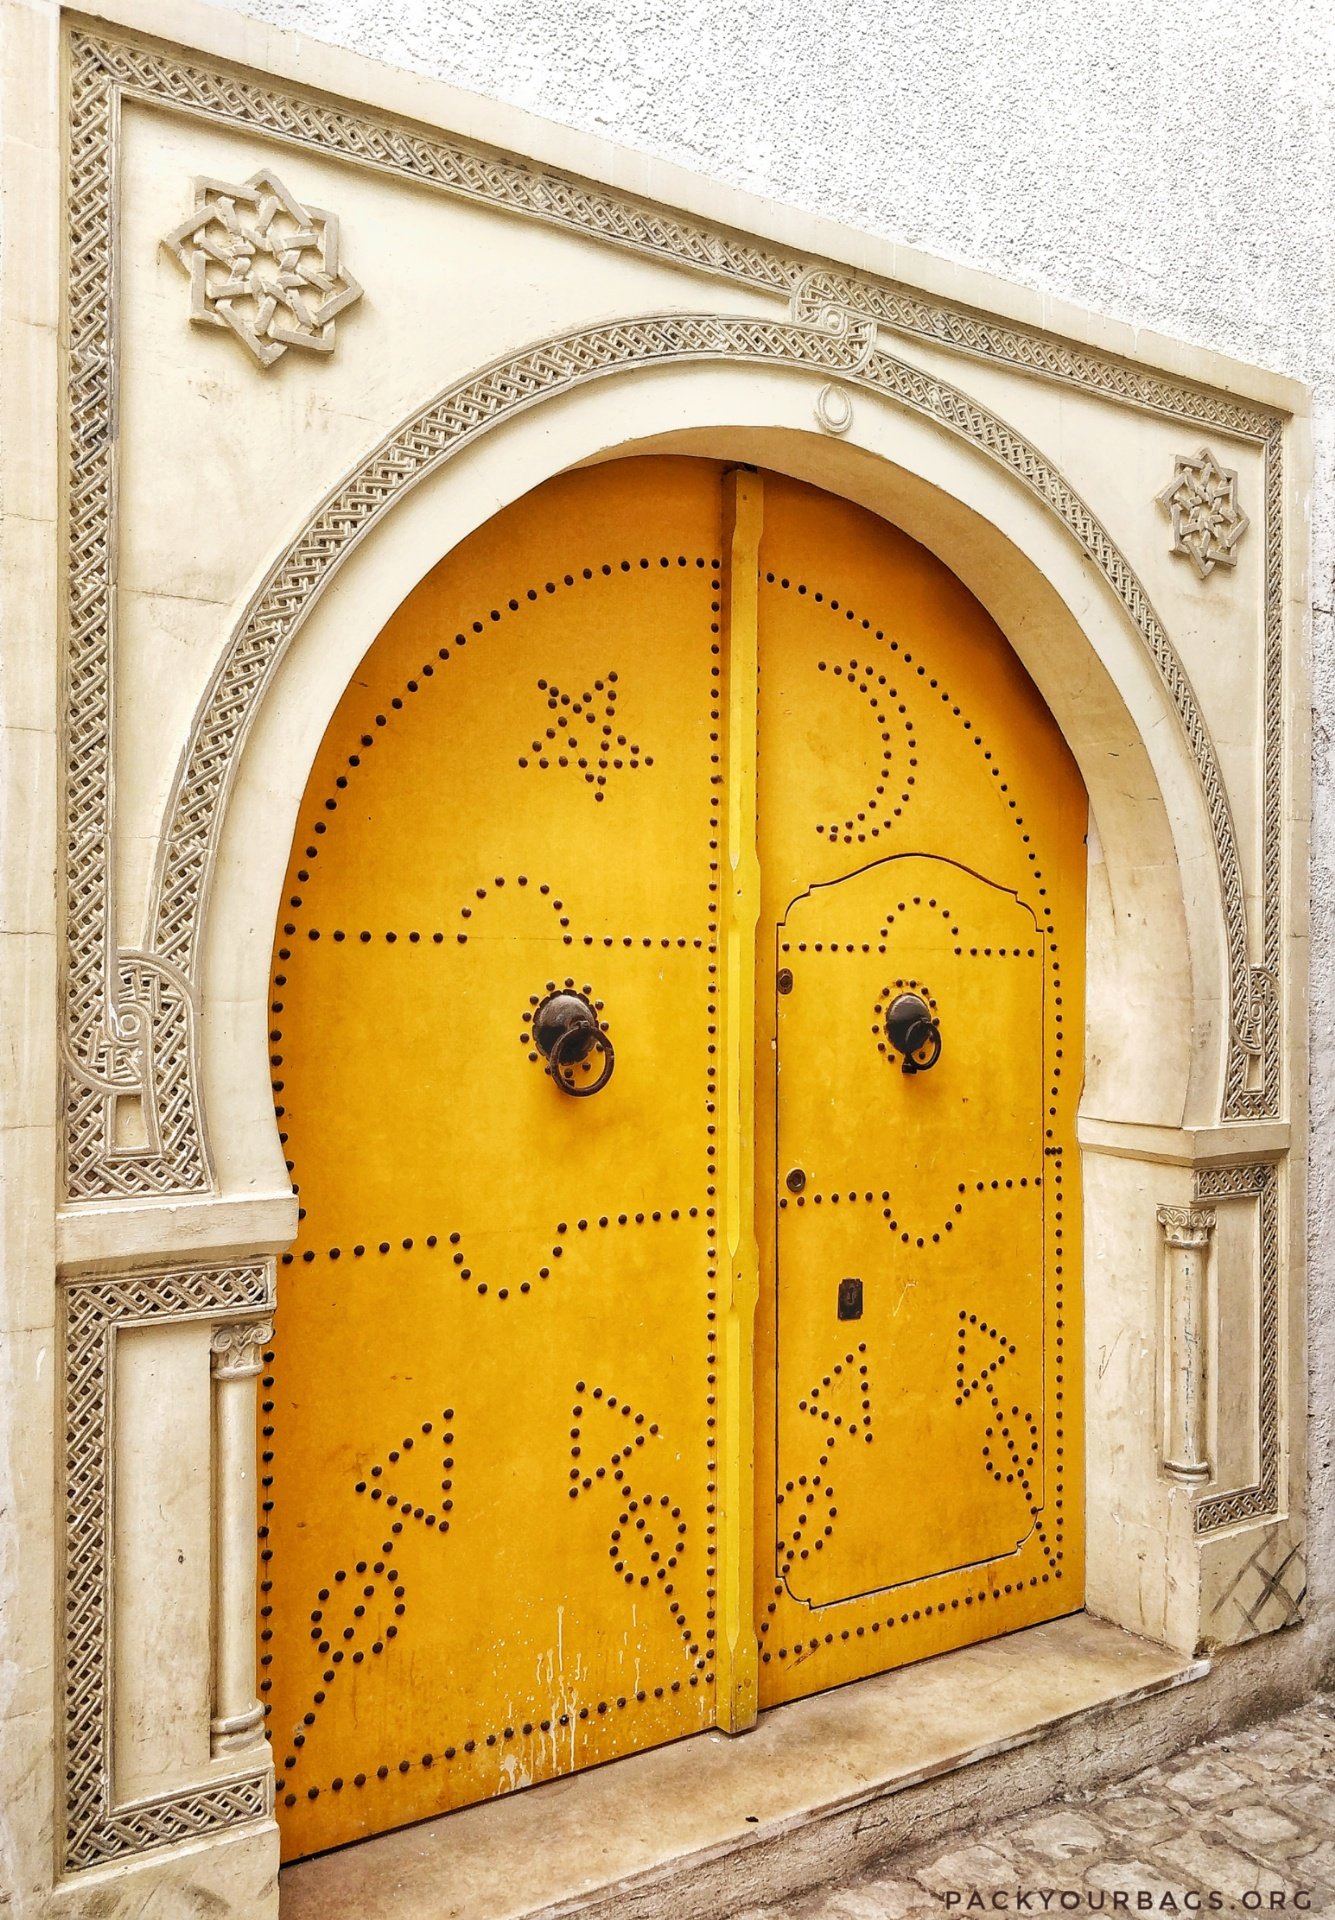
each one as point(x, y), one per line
point(606, 1839)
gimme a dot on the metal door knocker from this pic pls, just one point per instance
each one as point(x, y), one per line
point(911, 1028)
point(566, 1031)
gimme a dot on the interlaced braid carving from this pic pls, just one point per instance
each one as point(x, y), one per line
point(440, 429)
point(498, 180)
point(96, 1831)
point(128, 1018)
point(115, 1006)
point(1258, 1102)
point(1257, 1183)
point(469, 172)
point(901, 310)
point(104, 1052)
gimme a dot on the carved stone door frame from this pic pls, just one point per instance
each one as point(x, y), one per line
point(1130, 511)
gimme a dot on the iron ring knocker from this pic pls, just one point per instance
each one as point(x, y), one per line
point(910, 1025)
point(578, 1042)
point(566, 1029)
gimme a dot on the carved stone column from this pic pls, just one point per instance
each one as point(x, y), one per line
point(1186, 1232)
point(237, 1724)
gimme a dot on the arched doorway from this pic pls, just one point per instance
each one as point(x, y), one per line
point(751, 780)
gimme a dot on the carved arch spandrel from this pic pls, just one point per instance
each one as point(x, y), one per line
point(130, 1026)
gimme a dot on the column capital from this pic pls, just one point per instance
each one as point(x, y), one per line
point(232, 1348)
point(1188, 1227)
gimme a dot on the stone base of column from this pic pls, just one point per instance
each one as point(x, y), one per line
point(1191, 1474)
point(238, 1733)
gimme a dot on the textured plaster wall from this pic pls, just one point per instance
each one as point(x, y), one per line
point(1172, 166)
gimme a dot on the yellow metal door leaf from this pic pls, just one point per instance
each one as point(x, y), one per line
point(488, 1437)
point(921, 827)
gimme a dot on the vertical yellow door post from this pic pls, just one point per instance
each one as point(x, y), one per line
point(743, 513)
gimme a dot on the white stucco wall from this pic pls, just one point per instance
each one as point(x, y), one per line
point(1171, 167)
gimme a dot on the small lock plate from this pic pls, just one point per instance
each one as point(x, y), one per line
point(850, 1299)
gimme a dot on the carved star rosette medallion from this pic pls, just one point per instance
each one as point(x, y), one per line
point(1201, 501)
point(263, 265)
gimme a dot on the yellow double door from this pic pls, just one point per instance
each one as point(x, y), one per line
point(675, 1031)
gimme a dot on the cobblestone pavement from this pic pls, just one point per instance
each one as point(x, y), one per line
point(1242, 1824)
